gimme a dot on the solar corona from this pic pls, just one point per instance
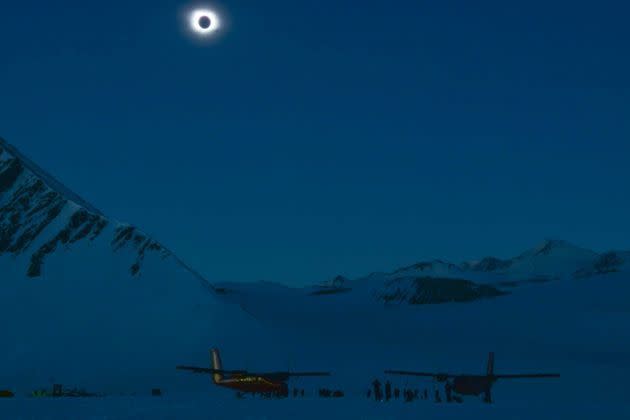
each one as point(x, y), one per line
point(204, 22)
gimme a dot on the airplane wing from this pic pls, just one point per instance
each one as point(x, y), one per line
point(444, 376)
point(528, 375)
point(283, 376)
point(426, 374)
point(195, 369)
point(308, 373)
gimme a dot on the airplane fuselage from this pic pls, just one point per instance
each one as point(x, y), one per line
point(248, 382)
point(253, 384)
point(472, 384)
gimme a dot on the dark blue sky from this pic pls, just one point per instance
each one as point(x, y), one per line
point(316, 138)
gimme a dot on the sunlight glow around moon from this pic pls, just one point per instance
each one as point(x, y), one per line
point(204, 22)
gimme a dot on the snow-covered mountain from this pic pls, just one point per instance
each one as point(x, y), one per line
point(550, 259)
point(437, 281)
point(38, 215)
point(91, 301)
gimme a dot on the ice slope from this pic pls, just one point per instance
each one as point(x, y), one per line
point(90, 302)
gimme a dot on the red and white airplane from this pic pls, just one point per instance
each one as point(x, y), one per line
point(248, 382)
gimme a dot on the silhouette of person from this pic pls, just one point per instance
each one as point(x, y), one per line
point(486, 396)
point(438, 399)
point(396, 393)
point(388, 391)
point(302, 392)
point(426, 394)
point(369, 393)
point(416, 394)
point(408, 395)
point(377, 390)
point(448, 389)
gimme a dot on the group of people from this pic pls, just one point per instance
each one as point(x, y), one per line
point(386, 393)
point(295, 392)
point(378, 391)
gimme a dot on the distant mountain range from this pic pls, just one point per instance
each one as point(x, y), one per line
point(437, 281)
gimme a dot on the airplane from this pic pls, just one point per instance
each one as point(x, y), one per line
point(474, 384)
point(248, 382)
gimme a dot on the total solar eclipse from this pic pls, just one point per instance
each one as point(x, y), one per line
point(204, 22)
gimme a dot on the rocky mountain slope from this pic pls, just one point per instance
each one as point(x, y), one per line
point(38, 215)
point(90, 301)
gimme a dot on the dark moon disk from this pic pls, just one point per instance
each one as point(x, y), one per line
point(204, 22)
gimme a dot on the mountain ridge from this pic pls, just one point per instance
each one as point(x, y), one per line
point(32, 200)
point(45, 176)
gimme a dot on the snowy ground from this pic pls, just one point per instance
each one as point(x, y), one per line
point(196, 406)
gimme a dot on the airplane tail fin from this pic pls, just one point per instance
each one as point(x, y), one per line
point(215, 362)
point(490, 369)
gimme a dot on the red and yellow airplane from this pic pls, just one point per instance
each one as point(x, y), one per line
point(248, 382)
point(474, 384)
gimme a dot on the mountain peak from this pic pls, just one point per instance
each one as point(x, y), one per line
point(548, 245)
point(40, 217)
point(556, 247)
point(9, 155)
